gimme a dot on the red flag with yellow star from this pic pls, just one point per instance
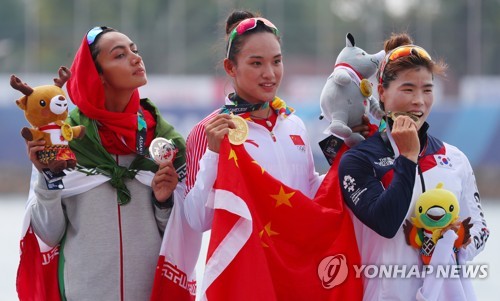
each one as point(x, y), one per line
point(271, 242)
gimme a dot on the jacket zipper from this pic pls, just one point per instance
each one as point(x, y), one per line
point(121, 244)
point(422, 182)
point(278, 150)
point(422, 153)
point(121, 252)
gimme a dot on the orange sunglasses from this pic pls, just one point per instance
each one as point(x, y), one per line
point(402, 51)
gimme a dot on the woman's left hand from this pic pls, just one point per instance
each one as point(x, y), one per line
point(456, 227)
point(453, 226)
point(164, 181)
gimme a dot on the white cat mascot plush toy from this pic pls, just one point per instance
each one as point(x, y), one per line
point(348, 93)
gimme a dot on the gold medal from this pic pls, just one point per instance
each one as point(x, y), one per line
point(238, 135)
point(67, 132)
point(366, 87)
point(394, 115)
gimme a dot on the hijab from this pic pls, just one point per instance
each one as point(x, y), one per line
point(118, 131)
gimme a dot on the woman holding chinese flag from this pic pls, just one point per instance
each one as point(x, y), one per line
point(276, 139)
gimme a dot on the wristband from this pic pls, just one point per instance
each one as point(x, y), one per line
point(169, 203)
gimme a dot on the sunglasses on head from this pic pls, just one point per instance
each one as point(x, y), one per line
point(93, 33)
point(403, 51)
point(247, 25)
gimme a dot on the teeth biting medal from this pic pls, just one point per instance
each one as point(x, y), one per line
point(394, 115)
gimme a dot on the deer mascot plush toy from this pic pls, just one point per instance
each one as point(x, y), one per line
point(46, 109)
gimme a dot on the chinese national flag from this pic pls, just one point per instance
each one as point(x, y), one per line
point(270, 242)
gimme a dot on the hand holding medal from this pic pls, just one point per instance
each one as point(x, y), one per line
point(162, 150)
point(239, 134)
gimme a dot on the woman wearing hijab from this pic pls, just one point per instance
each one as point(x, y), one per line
point(110, 217)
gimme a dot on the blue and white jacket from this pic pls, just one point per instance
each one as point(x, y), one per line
point(380, 187)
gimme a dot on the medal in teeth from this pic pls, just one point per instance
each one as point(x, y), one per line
point(394, 115)
point(162, 150)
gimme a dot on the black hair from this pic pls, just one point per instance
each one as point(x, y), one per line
point(232, 21)
point(412, 61)
point(415, 60)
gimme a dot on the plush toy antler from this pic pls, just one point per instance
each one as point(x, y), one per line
point(64, 75)
point(18, 85)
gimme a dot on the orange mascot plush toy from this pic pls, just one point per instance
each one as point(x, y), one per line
point(46, 109)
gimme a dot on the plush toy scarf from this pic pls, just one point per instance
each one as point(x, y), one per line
point(117, 130)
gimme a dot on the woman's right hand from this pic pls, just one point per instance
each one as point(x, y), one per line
point(364, 128)
point(216, 129)
point(33, 147)
point(405, 134)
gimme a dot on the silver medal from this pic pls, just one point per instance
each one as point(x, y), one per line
point(162, 150)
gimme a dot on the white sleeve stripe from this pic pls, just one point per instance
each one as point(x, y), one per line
point(196, 146)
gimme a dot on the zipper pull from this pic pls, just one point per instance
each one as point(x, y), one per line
point(272, 136)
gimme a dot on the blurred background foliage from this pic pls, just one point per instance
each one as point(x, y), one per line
point(187, 36)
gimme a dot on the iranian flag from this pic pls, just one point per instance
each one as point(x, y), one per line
point(175, 277)
point(37, 271)
point(270, 242)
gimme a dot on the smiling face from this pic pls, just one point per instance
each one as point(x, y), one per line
point(45, 105)
point(258, 69)
point(411, 92)
point(122, 66)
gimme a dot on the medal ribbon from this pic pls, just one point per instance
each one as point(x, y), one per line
point(239, 106)
point(141, 134)
point(243, 108)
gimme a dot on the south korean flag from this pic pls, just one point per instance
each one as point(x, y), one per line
point(443, 161)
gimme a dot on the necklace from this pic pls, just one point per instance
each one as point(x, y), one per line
point(268, 122)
